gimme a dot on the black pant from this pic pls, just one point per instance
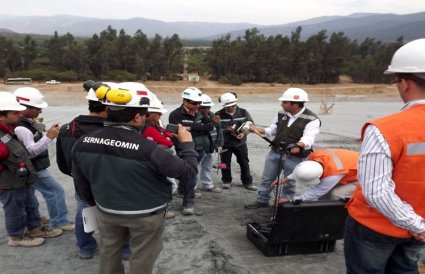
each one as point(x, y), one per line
point(187, 187)
point(241, 153)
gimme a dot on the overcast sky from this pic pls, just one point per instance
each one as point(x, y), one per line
point(267, 12)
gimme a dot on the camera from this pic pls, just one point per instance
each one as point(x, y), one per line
point(172, 128)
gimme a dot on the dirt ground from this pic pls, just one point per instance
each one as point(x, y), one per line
point(216, 241)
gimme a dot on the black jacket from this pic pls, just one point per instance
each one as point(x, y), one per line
point(68, 136)
point(199, 127)
point(241, 116)
point(125, 172)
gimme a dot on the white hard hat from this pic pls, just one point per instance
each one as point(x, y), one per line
point(228, 99)
point(124, 95)
point(8, 102)
point(156, 106)
point(307, 172)
point(30, 96)
point(133, 86)
point(410, 58)
point(193, 94)
point(294, 95)
point(206, 101)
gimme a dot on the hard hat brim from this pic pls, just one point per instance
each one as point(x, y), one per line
point(13, 108)
point(157, 110)
point(41, 105)
point(229, 104)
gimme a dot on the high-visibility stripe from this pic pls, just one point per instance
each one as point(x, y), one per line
point(336, 159)
point(6, 138)
point(132, 212)
point(415, 149)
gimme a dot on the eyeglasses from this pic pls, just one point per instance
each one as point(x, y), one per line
point(396, 81)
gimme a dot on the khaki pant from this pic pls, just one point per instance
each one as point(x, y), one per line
point(145, 235)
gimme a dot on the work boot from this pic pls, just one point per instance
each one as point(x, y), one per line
point(25, 241)
point(250, 187)
point(214, 189)
point(227, 185)
point(45, 232)
point(86, 254)
point(68, 227)
point(188, 210)
point(256, 205)
point(169, 215)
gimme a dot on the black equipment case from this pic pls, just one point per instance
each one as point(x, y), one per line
point(300, 228)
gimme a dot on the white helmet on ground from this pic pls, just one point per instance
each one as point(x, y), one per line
point(8, 102)
point(410, 58)
point(307, 172)
point(206, 101)
point(193, 94)
point(228, 99)
point(156, 106)
point(294, 95)
point(30, 96)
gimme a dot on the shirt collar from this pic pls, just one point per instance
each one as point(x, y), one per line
point(296, 115)
point(413, 103)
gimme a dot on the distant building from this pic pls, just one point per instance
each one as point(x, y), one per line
point(18, 81)
point(193, 77)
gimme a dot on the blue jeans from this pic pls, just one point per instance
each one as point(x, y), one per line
point(241, 153)
point(54, 195)
point(367, 251)
point(271, 172)
point(85, 241)
point(205, 169)
point(20, 210)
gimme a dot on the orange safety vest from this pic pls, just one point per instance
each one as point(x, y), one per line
point(405, 134)
point(337, 162)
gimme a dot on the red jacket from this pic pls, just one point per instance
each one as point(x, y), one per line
point(4, 151)
point(163, 138)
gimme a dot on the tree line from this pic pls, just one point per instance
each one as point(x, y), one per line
point(116, 56)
